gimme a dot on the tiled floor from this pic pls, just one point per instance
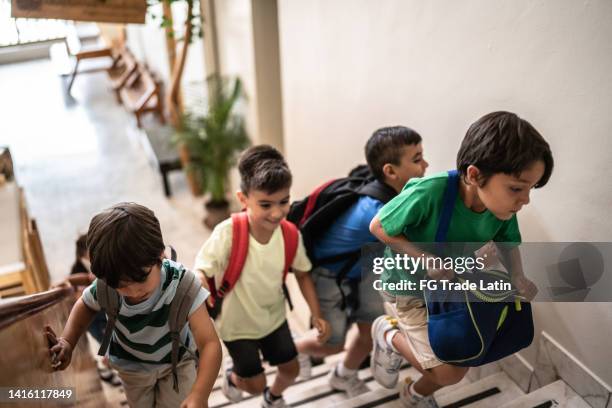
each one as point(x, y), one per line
point(77, 155)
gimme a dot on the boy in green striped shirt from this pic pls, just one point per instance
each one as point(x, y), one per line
point(127, 253)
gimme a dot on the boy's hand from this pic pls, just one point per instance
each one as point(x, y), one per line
point(194, 400)
point(441, 274)
point(525, 287)
point(323, 328)
point(489, 254)
point(60, 350)
point(63, 284)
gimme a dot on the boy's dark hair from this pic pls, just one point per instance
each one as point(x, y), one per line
point(263, 168)
point(385, 146)
point(501, 142)
point(124, 241)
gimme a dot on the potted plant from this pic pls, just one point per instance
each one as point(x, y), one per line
point(214, 141)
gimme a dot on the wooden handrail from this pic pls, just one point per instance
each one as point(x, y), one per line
point(15, 309)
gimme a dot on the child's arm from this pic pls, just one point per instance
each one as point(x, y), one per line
point(79, 320)
point(400, 244)
point(80, 279)
point(202, 275)
point(308, 290)
point(209, 348)
point(526, 287)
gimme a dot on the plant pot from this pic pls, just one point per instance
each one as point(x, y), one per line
point(216, 211)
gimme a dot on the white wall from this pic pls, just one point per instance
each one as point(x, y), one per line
point(248, 48)
point(351, 66)
point(235, 33)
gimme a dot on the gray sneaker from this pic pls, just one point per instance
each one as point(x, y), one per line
point(231, 392)
point(352, 385)
point(305, 366)
point(384, 361)
point(412, 401)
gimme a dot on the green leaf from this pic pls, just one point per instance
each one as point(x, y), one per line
point(215, 139)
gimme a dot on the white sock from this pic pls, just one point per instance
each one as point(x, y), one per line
point(345, 372)
point(389, 338)
point(414, 393)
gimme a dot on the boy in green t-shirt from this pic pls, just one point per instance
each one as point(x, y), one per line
point(501, 158)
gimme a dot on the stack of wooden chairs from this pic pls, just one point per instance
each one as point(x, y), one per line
point(135, 86)
point(32, 275)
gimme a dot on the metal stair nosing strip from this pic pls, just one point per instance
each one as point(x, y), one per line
point(312, 397)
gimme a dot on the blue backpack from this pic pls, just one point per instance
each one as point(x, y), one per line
point(471, 328)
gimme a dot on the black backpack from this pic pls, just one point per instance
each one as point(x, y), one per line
point(314, 214)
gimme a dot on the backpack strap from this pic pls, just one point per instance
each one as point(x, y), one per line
point(291, 238)
point(186, 292)
point(312, 201)
point(110, 302)
point(380, 191)
point(238, 255)
point(448, 204)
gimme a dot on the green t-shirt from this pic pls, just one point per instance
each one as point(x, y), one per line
point(415, 212)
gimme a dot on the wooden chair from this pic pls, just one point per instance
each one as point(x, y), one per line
point(141, 93)
point(124, 66)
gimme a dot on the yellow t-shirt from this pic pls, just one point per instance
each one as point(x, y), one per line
point(255, 307)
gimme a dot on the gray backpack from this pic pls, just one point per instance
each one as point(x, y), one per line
point(187, 290)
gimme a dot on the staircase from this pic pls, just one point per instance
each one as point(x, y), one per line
point(496, 390)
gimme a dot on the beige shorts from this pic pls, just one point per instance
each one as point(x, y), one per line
point(154, 388)
point(411, 315)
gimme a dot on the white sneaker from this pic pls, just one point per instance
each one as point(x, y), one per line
point(384, 361)
point(352, 385)
point(305, 366)
point(231, 392)
point(277, 403)
point(412, 401)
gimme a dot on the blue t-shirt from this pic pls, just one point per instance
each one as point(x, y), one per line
point(349, 233)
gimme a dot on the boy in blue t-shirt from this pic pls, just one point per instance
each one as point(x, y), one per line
point(501, 158)
point(394, 155)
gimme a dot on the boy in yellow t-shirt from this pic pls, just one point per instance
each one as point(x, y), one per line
point(253, 314)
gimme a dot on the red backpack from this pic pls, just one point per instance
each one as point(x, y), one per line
point(238, 255)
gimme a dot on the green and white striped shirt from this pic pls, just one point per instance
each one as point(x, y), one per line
point(141, 339)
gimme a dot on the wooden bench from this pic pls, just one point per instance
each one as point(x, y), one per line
point(141, 93)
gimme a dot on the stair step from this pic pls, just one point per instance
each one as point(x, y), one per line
point(557, 394)
point(218, 400)
point(340, 399)
point(314, 392)
point(381, 397)
point(491, 391)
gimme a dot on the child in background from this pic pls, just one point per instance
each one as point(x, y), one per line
point(253, 316)
point(501, 158)
point(127, 252)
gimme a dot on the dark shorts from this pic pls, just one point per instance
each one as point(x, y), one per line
point(276, 348)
